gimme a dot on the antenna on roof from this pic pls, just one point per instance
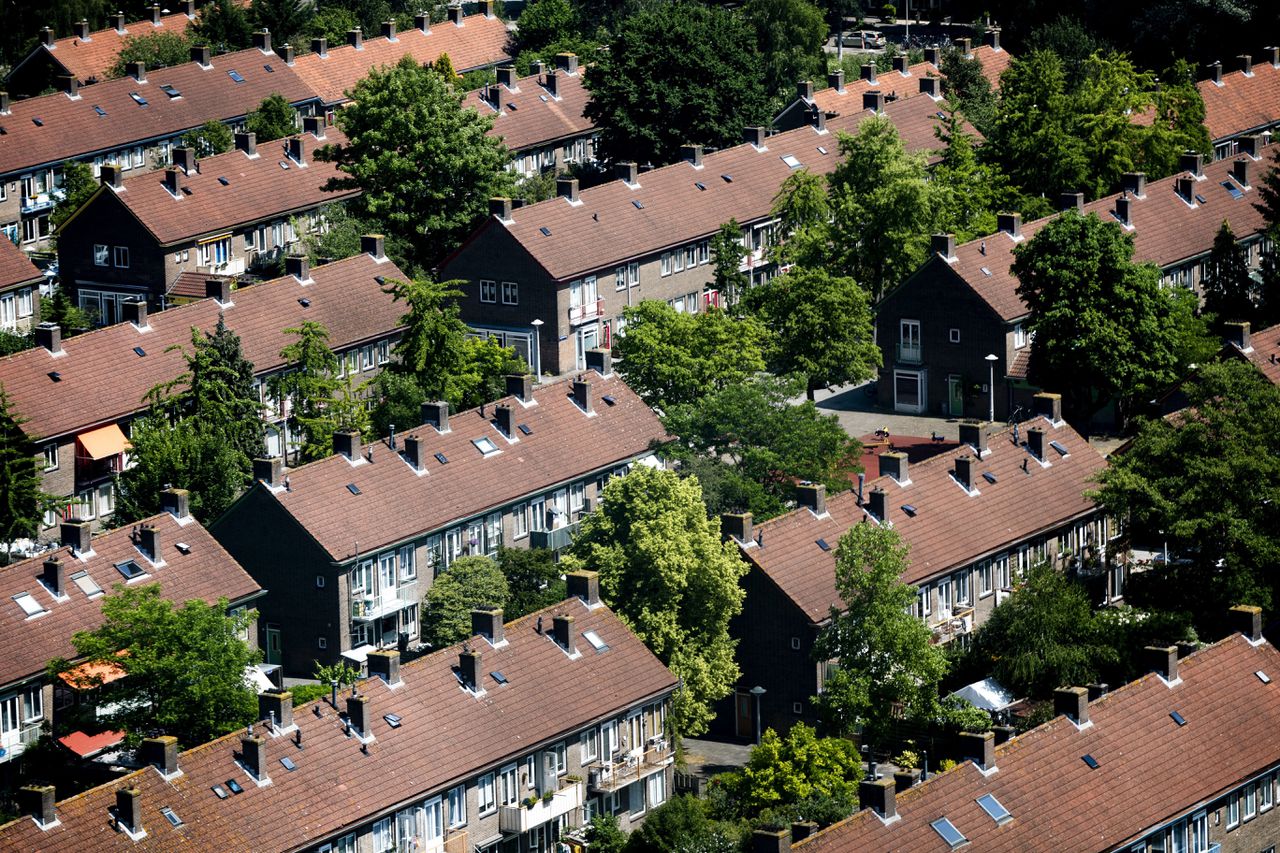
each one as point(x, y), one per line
point(538, 628)
point(1024, 465)
point(391, 440)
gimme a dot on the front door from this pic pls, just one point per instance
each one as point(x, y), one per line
point(588, 338)
point(273, 644)
point(744, 722)
point(955, 395)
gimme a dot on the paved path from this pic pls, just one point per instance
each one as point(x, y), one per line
point(861, 415)
point(708, 757)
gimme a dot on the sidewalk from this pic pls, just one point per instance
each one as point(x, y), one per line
point(860, 415)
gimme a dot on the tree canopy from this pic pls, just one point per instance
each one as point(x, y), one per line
point(274, 118)
point(284, 19)
point(533, 580)
point(212, 137)
point(78, 183)
point(795, 769)
point(154, 50)
point(666, 573)
point(320, 403)
point(468, 583)
point(1230, 291)
point(21, 500)
point(790, 35)
point(224, 25)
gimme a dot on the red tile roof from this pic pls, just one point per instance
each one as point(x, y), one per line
point(396, 503)
point(917, 449)
point(91, 59)
point(849, 99)
point(607, 228)
point(1150, 771)
point(28, 643)
point(1166, 230)
point(447, 736)
point(480, 41)
point(15, 267)
point(993, 61)
point(71, 129)
point(1241, 103)
point(1264, 352)
point(103, 380)
point(191, 285)
point(529, 117)
point(950, 528)
point(267, 186)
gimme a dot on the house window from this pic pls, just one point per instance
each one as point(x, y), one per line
point(1266, 793)
point(322, 643)
point(559, 755)
point(664, 264)
point(633, 273)
point(953, 335)
point(704, 252)
point(215, 252)
point(33, 704)
point(25, 308)
point(408, 569)
point(620, 278)
point(590, 747)
point(944, 599)
point(577, 496)
point(908, 393)
point(795, 644)
point(609, 737)
point(520, 520)
point(8, 312)
point(353, 362)
point(1019, 337)
point(691, 256)
point(485, 799)
point(409, 620)
point(656, 789)
point(384, 351)
point(435, 554)
point(1001, 564)
point(508, 786)
point(1198, 832)
point(366, 357)
point(1233, 811)
point(679, 260)
point(101, 255)
point(1250, 802)
point(51, 456)
point(538, 514)
point(384, 839)
point(458, 806)
point(962, 588)
point(488, 290)
point(924, 600)
point(510, 293)
point(362, 576)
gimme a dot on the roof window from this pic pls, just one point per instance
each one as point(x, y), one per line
point(170, 90)
point(37, 121)
point(910, 510)
point(55, 376)
point(1091, 761)
point(171, 816)
point(610, 400)
point(284, 164)
point(823, 544)
point(822, 149)
point(393, 720)
point(728, 179)
point(637, 204)
point(87, 584)
point(130, 570)
point(233, 786)
point(594, 639)
point(268, 68)
point(949, 833)
point(1233, 189)
point(994, 809)
point(485, 445)
point(1060, 447)
point(100, 111)
point(546, 232)
point(791, 160)
point(235, 75)
point(219, 791)
point(1177, 718)
point(525, 428)
point(442, 459)
point(989, 477)
point(353, 489)
point(700, 185)
point(1262, 676)
point(28, 603)
point(223, 181)
point(288, 764)
point(138, 99)
point(498, 677)
point(139, 352)
point(304, 302)
point(1201, 199)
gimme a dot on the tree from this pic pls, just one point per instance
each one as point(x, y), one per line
point(223, 25)
point(533, 580)
point(821, 327)
point(340, 237)
point(443, 66)
point(320, 402)
point(726, 488)
point(967, 192)
point(544, 22)
point(1110, 94)
point(1043, 636)
point(284, 19)
point(727, 253)
point(78, 183)
point(273, 119)
point(212, 137)
point(21, 500)
point(482, 372)
point(58, 308)
point(790, 35)
point(681, 825)
point(964, 85)
point(786, 771)
point(670, 358)
point(666, 573)
point(1178, 123)
point(331, 23)
point(1100, 321)
point(422, 160)
point(885, 656)
point(184, 665)
point(1227, 283)
point(219, 394)
point(803, 213)
point(468, 583)
point(1168, 485)
point(646, 104)
point(154, 50)
point(603, 835)
point(882, 205)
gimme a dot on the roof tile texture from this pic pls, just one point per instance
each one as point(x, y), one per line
point(94, 58)
point(29, 643)
point(103, 379)
point(1265, 352)
point(951, 528)
point(1241, 103)
point(1150, 769)
point(529, 116)
point(447, 735)
point(396, 503)
point(15, 266)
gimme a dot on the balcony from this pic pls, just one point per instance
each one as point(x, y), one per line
point(555, 540)
point(513, 820)
point(959, 623)
point(631, 767)
point(366, 608)
point(579, 314)
point(456, 842)
point(908, 353)
point(43, 201)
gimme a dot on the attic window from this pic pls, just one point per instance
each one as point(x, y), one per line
point(269, 69)
point(824, 545)
point(235, 75)
point(170, 90)
point(1233, 189)
point(994, 809)
point(380, 279)
point(138, 99)
point(511, 106)
point(524, 428)
point(103, 113)
point(949, 833)
point(989, 477)
point(485, 445)
point(29, 605)
point(353, 488)
point(700, 185)
point(220, 792)
point(546, 232)
point(498, 677)
point(39, 122)
point(728, 179)
point(55, 376)
point(909, 509)
point(791, 160)
point(1090, 760)
point(822, 150)
point(233, 786)
point(139, 352)
point(637, 204)
point(304, 302)
point(130, 570)
point(393, 720)
point(594, 639)
point(288, 764)
point(1060, 447)
point(442, 459)
point(1262, 676)
point(610, 400)
point(542, 98)
point(171, 816)
point(87, 584)
point(1177, 718)
point(183, 548)
point(224, 181)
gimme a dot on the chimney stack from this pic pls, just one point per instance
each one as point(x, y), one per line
point(1186, 188)
point(437, 415)
point(506, 423)
point(1035, 442)
point(879, 795)
point(155, 15)
point(76, 535)
point(835, 80)
point(567, 188)
point(358, 715)
point(1134, 183)
point(411, 448)
point(385, 664)
point(873, 101)
point(980, 748)
point(584, 585)
point(755, 135)
point(818, 118)
point(562, 631)
point(1163, 660)
point(247, 141)
point(348, 443)
point(800, 830)
point(136, 70)
point(877, 505)
point(135, 311)
point(176, 502)
point(736, 526)
point(507, 77)
point(521, 387)
point(600, 361)
point(1048, 406)
point(81, 30)
point(537, 67)
point(991, 38)
point(486, 8)
point(1273, 56)
point(567, 63)
point(501, 208)
point(262, 40)
point(218, 289)
point(371, 245)
point(161, 753)
point(1010, 223)
point(1072, 702)
point(185, 159)
point(189, 8)
point(54, 576)
point(1215, 73)
point(1247, 620)
point(355, 38)
point(69, 85)
point(277, 705)
point(455, 15)
point(931, 86)
point(173, 180)
point(320, 47)
point(1096, 690)
point(49, 336)
point(895, 465)
point(1240, 171)
point(869, 73)
point(933, 55)
point(469, 668)
point(965, 46)
point(422, 23)
point(129, 810)
point(963, 471)
point(270, 470)
point(297, 150)
point(1124, 210)
point(37, 801)
point(812, 496)
point(253, 752)
point(1246, 64)
point(1071, 201)
point(286, 53)
point(944, 245)
point(770, 841)
point(117, 22)
point(804, 90)
point(389, 30)
point(298, 266)
point(974, 434)
point(582, 395)
point(149, 542)
point(1193, 162)
point(692, 154)
point(486, 621)
point(900, 65)
point(200, 55)
point(628, 171)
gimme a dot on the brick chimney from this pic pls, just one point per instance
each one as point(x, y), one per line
point(285, 52)
point(298, 266)
point(1162, 660)
point(1193, 162)
point(1071, 201)
point(355, 38)
point(81, 30)
point(520, 386)
point(411, 449)
point(812, 496)
point(562, 632)
point(736, 526)
point(980, 748)
point(185, 159)
point(54, 576)
point(944, 245)
point(801, 830)
point(963, 471)
point(486, 621)
point(358, 715)
point(567, 63)
point(134, 311)
point(49, 336)
point(1273, 56)
point(536, 67)
point(320, 47)
point(455, 15)
point(1036, 442)
point(437, 415)
point(189, 8)
point(277, 705)
point(422, 23)
point(900, 65)
point(771, 841)
point(507, 77)
point(755, 135)
point(486, 8)
point(469, 662)
point(296, 147)
point(1096, 690)
point(161, 753)
point(1247, 620)
point(873, 100)
point(218, 289)
point(506, 423)
point(582, 395)
point(931, 86)
point(1010, 223)
point(965, 46)
point(76, 535)
point(173, 181)
point(991, 38)
point(974, 434)
point(804, 90)
point(176, 502)
point(247, 141)
point(1215, 73)
point(1073, 702)
point(4, 104)
point(879, 795)
point(253, 752)
point(818, 119)
point(599, 360)
point(385, 663)
point(584, 585)
point(389, 31)
point(876, 503)
point(117, 22)
point(348, 443)
point(371, 245)
point(869, 73)
point(1246, 64)
point(1048, 406)
point(136, 70)
point(1240, 171)
point(269, 470)
point(129, 810)
point(692, 154)
point(1134, 183)
point(149, 540)
point(1124, 210)
point(933, 55)
point(895, 465)
point(37, 802)
point(501, 208)
point(200, 55)
point(155, 15)
point(567, 188)
point(628, 172)
point(835, 80)
point(69, 85)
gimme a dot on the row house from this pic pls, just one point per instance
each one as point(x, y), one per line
point(954, 336)
point(1260, 348)
point(541, 275)
point(133, 122)
point(506, 743)
point(904, 80)
point(1242, 103)
point(1180, 761)
point(471, 42)
point(54, 595)
point(19, 289)
point(78, 396)
point(540, 117)
point(89, 55)
point(161, 235)
point(349, 545)
point(975, 519)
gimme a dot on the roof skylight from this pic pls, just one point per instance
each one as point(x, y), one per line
point(949, 833)
point(485, 445)
point(498, 677)
point(288, 764)
point(791, 160)
point(637, 204)
point(1233, 189)
point(393, 720)
point(130, 570)
point(1262, 676)
point(700, 185)
point(233, 786)
point(235, 75)
point(28, 603)
point(1060, 447)
point(1091, 761)
point(100, 111)
point(442, 459)
point(989, 477)
point(353, 489)
point(170, 90)
point(87, 584)
point(909, 509)
point(823, 544)
point(524, 428)
point(138, 99)
point(994, 809)
point(220, 791)
point(171, 816)
point(139, 352)
point(546, 232)
point(1177, 718)
point(594, 639)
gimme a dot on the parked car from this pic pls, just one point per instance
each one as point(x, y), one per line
point(864, 39)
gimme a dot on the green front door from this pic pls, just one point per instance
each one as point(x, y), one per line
point(273, 644)
point(955, 395)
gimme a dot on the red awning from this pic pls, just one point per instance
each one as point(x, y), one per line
point(87, 746)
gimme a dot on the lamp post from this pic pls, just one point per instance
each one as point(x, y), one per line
point(537, 349)
point(992, 358)
point(757, 692)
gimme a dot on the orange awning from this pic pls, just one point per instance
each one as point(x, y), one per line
point(104, 441)
point(91, 674)
point(86, 745)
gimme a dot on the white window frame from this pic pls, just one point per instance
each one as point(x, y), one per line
point(677, 258)
point(486, 794)
point(488, 290)
point(101, 255)
point(655, 790)
point(51, 456)
point(520, 521)
point(962, 588)
point(633, 273)
point(508, 785)
point(1019, 336)
point(1249, 808)
point(1233, 810)
point(407, 563)
point(25, 305)
point(457, 806)
point(1266, 793)
point(589, 747)
point(620, 278)
point(664, 264)
point(510, 293)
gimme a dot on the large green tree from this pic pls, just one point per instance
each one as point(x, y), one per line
point(319, 402)
point(468, 583)
point(212, 137)
point(1229, 288)
point(533, 580)
point(273, 118)
point(666, 573)
point(154, 50)
point(966, 86)
point(727, 254)
point(284, 19)
point(1100, 321)
point(670, 358)
point(802, 209)
point(543, 23)
point(21, 499)
point(423, 161)
point(185, 665)
point(224, 25)
point(790, 35)
point(646, 103)
point(78, 183)
point(794, 769)
point(1178, 122)
point(884, 654)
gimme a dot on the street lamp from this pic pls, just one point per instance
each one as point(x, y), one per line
point(992, 358)
point(538, 350)
point(757, 692)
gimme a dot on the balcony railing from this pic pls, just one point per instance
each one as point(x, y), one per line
point(366, 608)
point(555, 540)
point(908, 353)
point(631, 767)
point(584, 313)
point(959, 623)
point(43, 201)
point(520, 818)
point(456, 842)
